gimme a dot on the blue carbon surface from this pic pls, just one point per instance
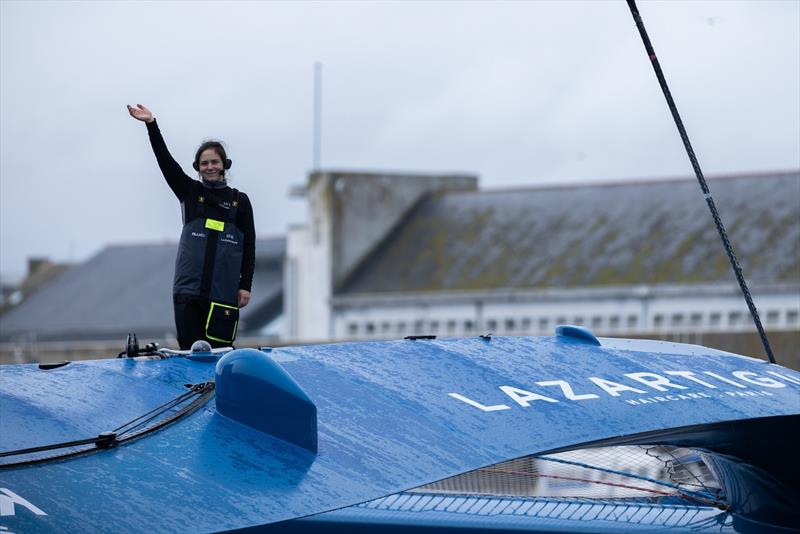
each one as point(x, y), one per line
point(387, 422)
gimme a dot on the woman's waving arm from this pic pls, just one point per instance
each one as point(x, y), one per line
point(178, 181)
point(141, 113)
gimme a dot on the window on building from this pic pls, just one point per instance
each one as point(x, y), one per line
point(773, 316)
point(419, 325)
point(633, 321)
point(677, 319)
point(714, 319)
point(792, 317)
point(469, 326)
point(561, 320)
point(385, 327)
point(578, 321)
point(526, 325)
point(544, 324)
point(434, 327)
point(369, 328)
point(597, 322)
point(613, 321)
point(658, 320)
point(401, 328)
point(491, 324)
point(696, 319)
point(451, 326)
point(352, 329)
point(734, 318)
point(510, 324)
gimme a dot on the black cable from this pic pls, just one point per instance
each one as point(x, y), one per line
point(155, 412)
point(43, 448)
point(107, 440)
point(699, 173)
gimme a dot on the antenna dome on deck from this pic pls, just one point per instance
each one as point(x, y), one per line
point(201, 345)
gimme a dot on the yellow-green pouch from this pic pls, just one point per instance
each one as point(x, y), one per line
point(222, 322)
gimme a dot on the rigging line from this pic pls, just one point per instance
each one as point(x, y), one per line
point(671, 468)
point(43, 448)
point(683, 494)
point(625, 474)
point(203, 392)
point(139, 421)
point(699, 174)
point(102, 440)
point(110, 440)
point(579, 479)
point(155, 412)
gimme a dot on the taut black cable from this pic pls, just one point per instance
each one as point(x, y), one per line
point(699, 173)
point(199, 394)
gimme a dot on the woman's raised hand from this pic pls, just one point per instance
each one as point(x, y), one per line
point(140, 113)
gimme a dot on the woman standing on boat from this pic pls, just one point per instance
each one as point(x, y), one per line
point(216, 253)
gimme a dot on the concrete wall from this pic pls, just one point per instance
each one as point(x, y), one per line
point(348, 215)
point(307, 285)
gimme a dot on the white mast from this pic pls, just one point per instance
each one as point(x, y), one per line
point(317, 115)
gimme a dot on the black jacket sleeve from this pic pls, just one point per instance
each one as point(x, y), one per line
point(247, 225)
point(178, 181)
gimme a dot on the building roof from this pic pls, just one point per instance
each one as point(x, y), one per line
point(128, 288)
point(40, 272)
point(652, 232)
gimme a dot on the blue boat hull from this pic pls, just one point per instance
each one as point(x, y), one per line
point(389, 416)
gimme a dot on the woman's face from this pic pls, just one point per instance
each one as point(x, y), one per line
point(211, 166)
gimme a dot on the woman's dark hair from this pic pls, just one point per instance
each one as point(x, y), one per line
point(218, 147)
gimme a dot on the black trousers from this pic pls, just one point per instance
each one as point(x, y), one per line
point(191, 314)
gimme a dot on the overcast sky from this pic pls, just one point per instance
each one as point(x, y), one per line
point(520, 93)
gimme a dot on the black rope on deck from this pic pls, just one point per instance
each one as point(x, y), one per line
point(199, 394)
